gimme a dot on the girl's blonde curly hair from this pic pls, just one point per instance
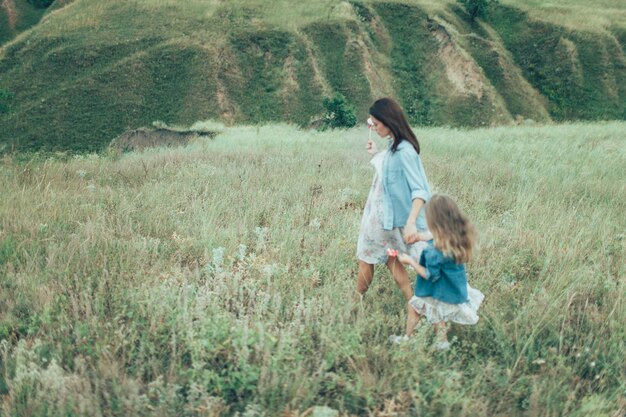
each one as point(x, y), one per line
point(454, 234)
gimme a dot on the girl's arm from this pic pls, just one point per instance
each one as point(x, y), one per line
point(407, 260)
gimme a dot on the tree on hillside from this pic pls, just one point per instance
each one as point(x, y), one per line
point(5, 96)
point(477, 8)
point(42, 4)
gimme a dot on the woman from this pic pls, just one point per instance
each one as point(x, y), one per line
point(393, 217)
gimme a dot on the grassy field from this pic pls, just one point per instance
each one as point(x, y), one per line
point(217, 279)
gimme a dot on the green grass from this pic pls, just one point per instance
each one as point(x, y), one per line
point(218, 278)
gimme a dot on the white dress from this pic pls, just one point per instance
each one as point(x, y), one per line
point(437, 311)
point(374, 240)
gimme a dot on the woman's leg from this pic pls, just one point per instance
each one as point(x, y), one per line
point(400, 276)
point(411, 319)
point(366, 274)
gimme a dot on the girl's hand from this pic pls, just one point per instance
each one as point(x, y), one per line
point(423, 236)
point(407, 260)
point(404, 259)
point(371, 147)
point(410, 234)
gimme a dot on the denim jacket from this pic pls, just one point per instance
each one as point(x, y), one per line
point(404, 180)
point(445, 279)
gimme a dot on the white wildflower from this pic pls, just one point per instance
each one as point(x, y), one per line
point(315, 223)
point(261, 233)
point(218, 258)
point(269, 270)
point(241, 252)
point(324, 411)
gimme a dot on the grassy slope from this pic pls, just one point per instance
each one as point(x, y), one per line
point(583, 76)
point(25, 15)
point(125, 290)
point(581, 60)
point(94, 69)
point(578, 15)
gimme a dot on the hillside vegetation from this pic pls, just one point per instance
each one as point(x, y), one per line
point(89, 70)
point(16, 17)
point(218, 278)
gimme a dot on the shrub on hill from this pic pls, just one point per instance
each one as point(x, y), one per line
point(42, 4)
point(477, 8)
point(5, 97)
point(339, 113)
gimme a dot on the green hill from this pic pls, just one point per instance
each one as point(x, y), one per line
point(91, 70)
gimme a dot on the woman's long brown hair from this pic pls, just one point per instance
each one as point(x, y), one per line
point(454, 234)
point(389, 112)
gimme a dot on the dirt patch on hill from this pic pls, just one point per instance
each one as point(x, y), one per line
point(11, 13)
point(317, 73)
point(144, 138)
point(290, 84)
point(379, 80)
point(571, 57)
point(462, 71)
point(226, 69)
point(227, 110)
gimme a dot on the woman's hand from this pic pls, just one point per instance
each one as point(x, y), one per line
point(410, 234)
point(371, 147)
point(424, 236)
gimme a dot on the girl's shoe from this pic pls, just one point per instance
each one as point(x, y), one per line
point(398, 340)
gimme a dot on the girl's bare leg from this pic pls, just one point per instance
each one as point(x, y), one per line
point(441, 331)
point(364, 279)
point(412, 318)
point(400, 276)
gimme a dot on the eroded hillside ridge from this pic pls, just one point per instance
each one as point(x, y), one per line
point(78, 83)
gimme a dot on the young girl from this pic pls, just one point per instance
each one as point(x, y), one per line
point(393, 215)
point(442, 293)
